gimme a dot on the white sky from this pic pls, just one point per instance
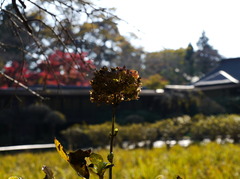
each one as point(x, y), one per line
point(173, 24)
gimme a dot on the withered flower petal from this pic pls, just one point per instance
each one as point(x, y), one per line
point(114, 85)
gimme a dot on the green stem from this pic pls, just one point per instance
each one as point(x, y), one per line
point(112, 135)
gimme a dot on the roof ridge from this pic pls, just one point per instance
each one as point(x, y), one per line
point(228, 76)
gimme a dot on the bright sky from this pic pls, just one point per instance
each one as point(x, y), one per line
point(172, 24)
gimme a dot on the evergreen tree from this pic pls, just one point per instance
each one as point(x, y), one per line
point(206, 57)
point(189, 60)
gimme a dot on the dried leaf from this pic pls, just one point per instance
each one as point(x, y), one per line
point(78, 162)
point(48, 172)
point(61, 150)
point(76, 159)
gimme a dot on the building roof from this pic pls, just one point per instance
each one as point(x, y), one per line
point(227, 73)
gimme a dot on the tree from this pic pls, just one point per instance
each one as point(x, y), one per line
point(28, 31)
point(66, 69)
point(70, 27)
point(206, 57)
point(129, 56)
point(170, 64)
point(11, 40)
point(155, 82)
point(45, 23)
point(189, 60)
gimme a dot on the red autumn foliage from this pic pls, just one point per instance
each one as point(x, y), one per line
point(65, 69)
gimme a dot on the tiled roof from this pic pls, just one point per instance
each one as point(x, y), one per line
point(228, 72)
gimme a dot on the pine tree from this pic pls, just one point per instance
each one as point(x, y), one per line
point(206, 58)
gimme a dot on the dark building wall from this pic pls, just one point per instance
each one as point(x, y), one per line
point(19, 125)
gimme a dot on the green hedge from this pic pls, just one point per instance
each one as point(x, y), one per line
point(196, 128)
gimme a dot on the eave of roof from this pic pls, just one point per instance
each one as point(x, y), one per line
point(218, 87)
point(179, 87)
point(218, 78)
point(67, 92)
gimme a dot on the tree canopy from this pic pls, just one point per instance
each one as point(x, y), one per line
point(167, 63)
point(31, 32)
point(184, 65)
point(58, 41)
point(67, 69)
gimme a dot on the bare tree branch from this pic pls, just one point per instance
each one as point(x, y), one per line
point(36, 27)
point(22, 85)
point(24, 21)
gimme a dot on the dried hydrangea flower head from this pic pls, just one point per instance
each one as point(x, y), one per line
point(114, 85)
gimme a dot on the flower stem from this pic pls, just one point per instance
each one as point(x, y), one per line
point(112, 135)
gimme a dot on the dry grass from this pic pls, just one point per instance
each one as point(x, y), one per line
point(211, 161)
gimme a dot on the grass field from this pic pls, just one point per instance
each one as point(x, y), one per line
point(209, 161)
